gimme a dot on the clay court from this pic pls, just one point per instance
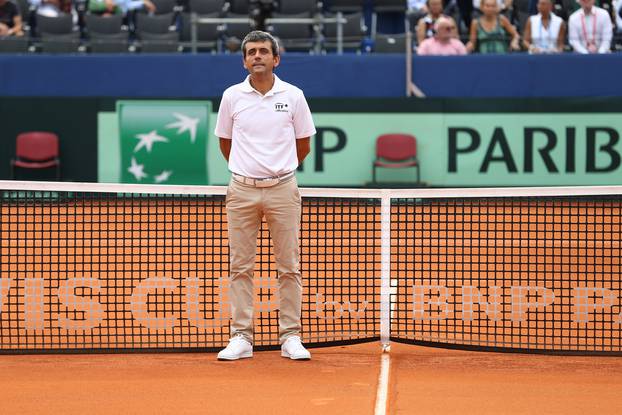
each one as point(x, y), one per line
point(339, 380)
point(125, 269)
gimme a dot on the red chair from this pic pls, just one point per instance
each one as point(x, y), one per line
point(36, 150)
point(396, 151)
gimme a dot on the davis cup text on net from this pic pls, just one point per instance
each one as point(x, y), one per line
point(429, 302)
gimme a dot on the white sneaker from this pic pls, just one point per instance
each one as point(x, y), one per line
point(293, 348)
point(238, 348)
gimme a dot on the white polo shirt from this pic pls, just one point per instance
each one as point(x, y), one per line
point(263, 128)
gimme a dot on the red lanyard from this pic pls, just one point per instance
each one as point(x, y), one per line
point(593, 42)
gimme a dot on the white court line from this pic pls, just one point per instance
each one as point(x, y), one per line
point(383, 385)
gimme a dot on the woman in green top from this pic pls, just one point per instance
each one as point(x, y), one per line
point(490, 33)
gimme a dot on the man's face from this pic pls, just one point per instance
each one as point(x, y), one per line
point(444, 31)
point(544, 7)
point(259, 59)
point(586, 4)
point(436, 6)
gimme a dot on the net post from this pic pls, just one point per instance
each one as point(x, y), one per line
point(385, 270)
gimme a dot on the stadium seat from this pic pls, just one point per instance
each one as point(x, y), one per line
point(298, 6)
point(207, 6)
point(239, 6)
point(159, 43)
point(353, 32)
point(153, 24)
point(383, 7)
point(36, 150)
point(103, 24)
point(65, 43)
point(346, 6)
point(109, 43)
point(164, 6)
point(14, 44)
point(60, 25)
point(208, 34)
point(238, 30)
point(294, 37)
point(390, 43)
point(396, 151)
point(389, 6)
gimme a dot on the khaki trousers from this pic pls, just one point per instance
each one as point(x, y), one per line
point(281, 206)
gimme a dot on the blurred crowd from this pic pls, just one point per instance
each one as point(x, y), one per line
point(430, 27)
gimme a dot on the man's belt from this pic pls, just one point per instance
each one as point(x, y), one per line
point(265, 182)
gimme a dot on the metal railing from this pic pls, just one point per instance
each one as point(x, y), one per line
point(318, 22)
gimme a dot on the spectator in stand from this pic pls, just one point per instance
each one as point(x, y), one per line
point(544, 32)
point(417, 9)
point(425, 26)
point(490, 32)
point(52, 8)
point(443, 42)
point(505, 7)
point(10, 19)
point(590, 29)
point(617, 7)
point(109, 7)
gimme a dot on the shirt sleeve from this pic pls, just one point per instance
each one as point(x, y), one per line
point(303, 121)
point(224, 122)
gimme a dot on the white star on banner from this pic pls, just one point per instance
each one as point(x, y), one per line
point(185, 123)
point(147, 140)
point(137, 170)
point(162, 177)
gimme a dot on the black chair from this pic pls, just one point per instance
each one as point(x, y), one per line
point(390, 43)
point(298, 6)
point(109, 43)
point(238, 30)
point(103, 24)
point(60, 25)
point(239, 7)
point(208, 34)
point(156, 24)
point(164, 6)
point(12, 44)
point(389, 6)
point(64, 43)
point(207, 6)
point(294, 37)
point(353, 32)
point(159, 42)
point(346, 6)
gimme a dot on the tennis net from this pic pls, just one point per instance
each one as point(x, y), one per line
point(114, 267)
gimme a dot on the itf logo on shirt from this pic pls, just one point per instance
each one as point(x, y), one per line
point(280, 107)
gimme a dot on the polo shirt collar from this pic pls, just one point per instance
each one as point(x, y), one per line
point(279, 86)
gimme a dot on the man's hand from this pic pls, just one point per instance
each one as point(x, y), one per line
point(303, 147)
point(225, 147)
point(149, 6)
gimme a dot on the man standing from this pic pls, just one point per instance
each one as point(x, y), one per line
point(264, 126)
point(590, 29)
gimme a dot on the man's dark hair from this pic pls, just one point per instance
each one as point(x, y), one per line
point(259, 36)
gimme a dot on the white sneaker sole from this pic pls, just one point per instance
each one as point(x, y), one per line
point(242, 356)
point(285, 354)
